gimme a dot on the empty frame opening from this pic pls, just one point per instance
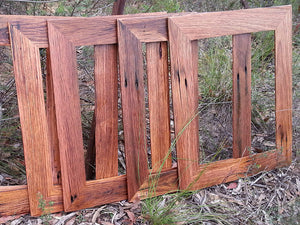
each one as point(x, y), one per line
point(215, 98)
point(263, 91)
point(12, 164)
point(85, 68)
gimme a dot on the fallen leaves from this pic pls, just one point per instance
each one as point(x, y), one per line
point(232, 185)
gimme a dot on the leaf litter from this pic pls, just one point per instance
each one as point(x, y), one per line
point(266, 198)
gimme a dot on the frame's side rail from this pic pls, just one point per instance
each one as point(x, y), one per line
point(106, 103)
point(52, 126)
point(66, 92)
point(241, 101)
point(283, 86)
point(184, 74)
point(159, 110)
point(133, 105)
point(35, 133)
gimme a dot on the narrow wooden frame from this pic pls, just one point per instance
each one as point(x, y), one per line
point(131, 34)
point(183, 33)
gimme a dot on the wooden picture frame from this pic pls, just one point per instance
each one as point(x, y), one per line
point(37, 119)
point(131, 34)
point(184, 32)
point(108, 186)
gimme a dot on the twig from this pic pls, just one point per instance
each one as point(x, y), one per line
point(13, 118)
point(254, 182)
point(245, 4)
point(32, 1)
point(118, 7)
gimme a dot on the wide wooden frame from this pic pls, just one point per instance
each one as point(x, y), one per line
point(184, 33)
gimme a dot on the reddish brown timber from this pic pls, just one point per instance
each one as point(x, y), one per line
point(106, 88)
point(33, 118)
point(232, 169)
point(13, 200)
point(241, 107)
point(158, 88)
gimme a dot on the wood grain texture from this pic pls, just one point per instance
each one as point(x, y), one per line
point(241, 101)
point(35, 27)
point(233, 169)
point(159, 110)
point(149, 29)
point(35, 133)
point(133, 106)
point(68, 114)
point(51, 120)
point(283, 85)
point(5, 19)
point(166, 181)
point(106, 88)
point(102, 191)
point(214, 24)
point(184, 76)
point(13, 200)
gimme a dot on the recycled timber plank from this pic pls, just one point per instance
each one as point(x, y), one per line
point(13, 200)
point(133, 94)
point(159, 110)
point(241, 107)
point(35, 27)
point(106, 90)
point(183, 32)
point(101, 34)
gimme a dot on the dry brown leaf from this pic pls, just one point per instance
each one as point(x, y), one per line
point(105, 223)
point(4, 219)
point(232, 185)
point(131, 217)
